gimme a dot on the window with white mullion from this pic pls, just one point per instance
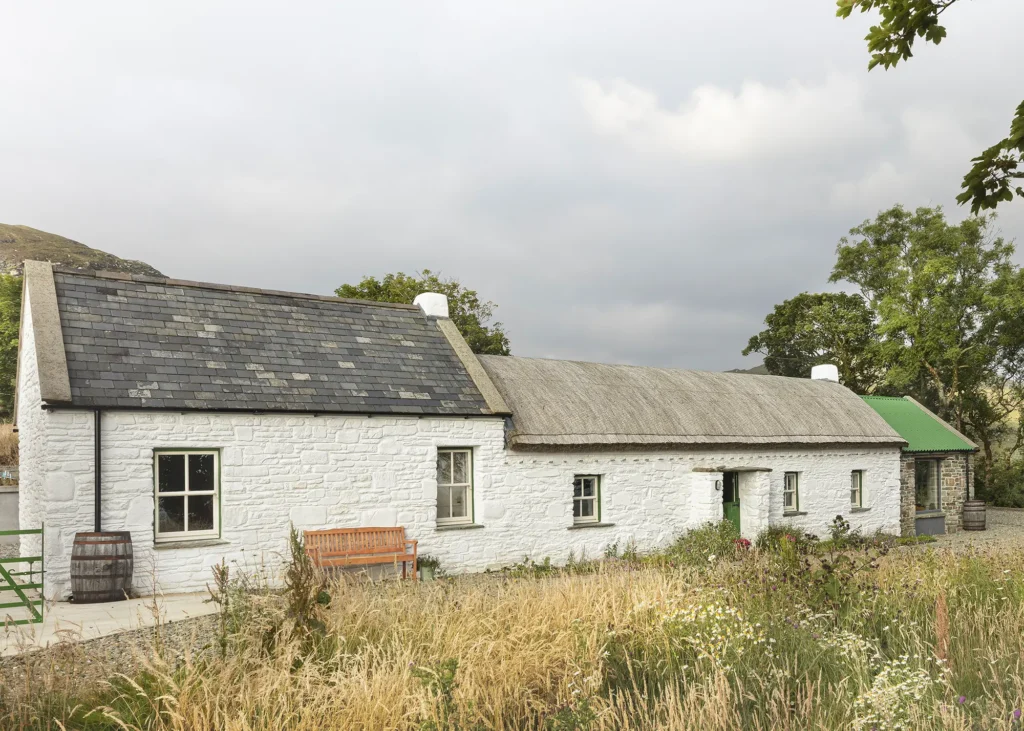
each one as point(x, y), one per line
point(857, 488)
point(586, 499)
point(187, 500)
point(791, 492)
point(454, 486)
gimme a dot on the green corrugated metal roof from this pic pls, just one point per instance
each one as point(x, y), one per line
point(923, 430)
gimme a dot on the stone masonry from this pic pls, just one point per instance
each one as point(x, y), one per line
point(957, 475)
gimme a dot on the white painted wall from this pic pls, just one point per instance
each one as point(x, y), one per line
point(346, 471)
point(32, 437)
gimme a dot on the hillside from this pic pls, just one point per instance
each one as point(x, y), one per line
point(18, 243)
point(758, 370)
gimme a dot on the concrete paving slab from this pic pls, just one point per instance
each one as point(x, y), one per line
point(64, 621)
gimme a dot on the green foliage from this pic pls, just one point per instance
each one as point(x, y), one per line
point(10, 322)
point(469, 313)
point(991, 180)
point(441, 682)
point(779, 537)
point(945, 298)
point(939, 316)
point(1001, 482)
point(703, 546)
point(428, 561)
point(528, 568)
point(577, 716)
point(811, 329)
point(305, 588)
point(914, 540)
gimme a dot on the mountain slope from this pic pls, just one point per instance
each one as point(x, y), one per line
point(758, 370)
point(18, 243)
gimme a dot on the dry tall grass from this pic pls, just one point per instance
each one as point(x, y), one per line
point(737, 645)
point(8, 445)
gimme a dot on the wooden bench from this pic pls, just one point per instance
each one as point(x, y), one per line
point(337, 547)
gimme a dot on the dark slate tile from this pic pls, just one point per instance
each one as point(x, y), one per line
point(204, 347)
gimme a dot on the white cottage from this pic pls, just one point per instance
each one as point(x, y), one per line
point(206, 419)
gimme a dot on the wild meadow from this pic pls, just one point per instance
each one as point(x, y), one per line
point(713, 633)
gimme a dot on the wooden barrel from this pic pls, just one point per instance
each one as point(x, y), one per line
point(101, 567)
point(974, 515)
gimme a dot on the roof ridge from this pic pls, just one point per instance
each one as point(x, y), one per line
point(170, 282)
point(669, 369)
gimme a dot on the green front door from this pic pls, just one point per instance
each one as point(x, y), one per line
point(731, 497)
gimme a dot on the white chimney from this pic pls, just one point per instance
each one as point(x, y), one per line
point(825, 372)
point(433, 304)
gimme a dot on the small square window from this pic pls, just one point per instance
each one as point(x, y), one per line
point(586, 499)
point(857, 488)
point(187, 495)
point(791, 492)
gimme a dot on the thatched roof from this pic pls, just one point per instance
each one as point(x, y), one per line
point(558, 403)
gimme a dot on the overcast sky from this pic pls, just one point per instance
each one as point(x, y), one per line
point(633, 182)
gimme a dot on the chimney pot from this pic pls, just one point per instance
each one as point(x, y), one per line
point(825, 372)
point(433, 304)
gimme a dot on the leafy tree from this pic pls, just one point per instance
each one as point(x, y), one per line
point(939, 293)
point(996, 173)
point(811, 329)
point(939, 316)
point(469, 313)
point(10, 321)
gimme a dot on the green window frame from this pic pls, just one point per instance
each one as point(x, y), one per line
point(586, 499)
point(454, 485)
point(791, 492)
point(857, 489)
point(186, 494)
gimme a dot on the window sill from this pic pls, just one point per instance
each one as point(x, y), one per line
point(793, 513)
point(458, 526)
point(198, 543)
point(578, 526)
point(859, 510)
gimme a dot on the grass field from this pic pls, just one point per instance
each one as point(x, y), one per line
point(711, 634)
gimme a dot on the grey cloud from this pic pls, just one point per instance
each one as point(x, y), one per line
point(301, 148)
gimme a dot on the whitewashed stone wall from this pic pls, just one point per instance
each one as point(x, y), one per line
point(347, 471)
point(32, 447)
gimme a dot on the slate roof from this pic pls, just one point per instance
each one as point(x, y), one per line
point(141, 342)
point(560, 403)
point(923, 430)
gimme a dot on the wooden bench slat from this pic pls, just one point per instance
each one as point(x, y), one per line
point(361, 547)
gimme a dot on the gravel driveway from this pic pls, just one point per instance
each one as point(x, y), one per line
point(1004, 525)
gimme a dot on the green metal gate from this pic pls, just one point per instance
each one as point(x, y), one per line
point(27, 589)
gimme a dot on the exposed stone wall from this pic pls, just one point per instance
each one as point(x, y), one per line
point(908, 525)
point(955, 488)
point(957, 475)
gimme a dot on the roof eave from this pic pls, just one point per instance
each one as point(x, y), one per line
point(535, 442)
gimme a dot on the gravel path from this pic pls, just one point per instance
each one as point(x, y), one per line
point(84, 663)
point(1003, 525)
point(8, 550)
